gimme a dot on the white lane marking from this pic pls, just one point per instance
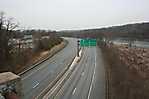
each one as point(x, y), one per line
point(82, 73)
point(72, 65)
point(57, 85)
point(74, 91)
point(61, 79)
point(92, 80)
point(36, 70)
point(37, 83)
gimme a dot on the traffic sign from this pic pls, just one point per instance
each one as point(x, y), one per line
point(88, 42)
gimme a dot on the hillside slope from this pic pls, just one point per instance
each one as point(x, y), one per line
point(136, 31)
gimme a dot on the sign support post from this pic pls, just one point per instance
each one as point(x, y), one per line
point(78, 43)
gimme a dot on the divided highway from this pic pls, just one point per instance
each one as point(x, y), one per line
point(38, 78)
point(87, 80)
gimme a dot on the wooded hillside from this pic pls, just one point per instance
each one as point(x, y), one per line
point(136, 31)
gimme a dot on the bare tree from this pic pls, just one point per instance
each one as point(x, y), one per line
point(2, 20)
point(2, 51)
point(11, 24)
point(37, 38)
point(7, 25)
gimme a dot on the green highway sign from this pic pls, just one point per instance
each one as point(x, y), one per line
point(87, 42)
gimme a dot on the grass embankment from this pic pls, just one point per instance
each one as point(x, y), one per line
point(123, 82)
point(29, 57)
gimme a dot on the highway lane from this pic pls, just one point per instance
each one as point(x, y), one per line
point(37, 79)
point(87, 81)
point(98, 89)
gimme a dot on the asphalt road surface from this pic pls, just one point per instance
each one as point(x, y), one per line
point(87, 80)
point(37, 79)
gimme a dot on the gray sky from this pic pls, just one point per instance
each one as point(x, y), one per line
point(75, 14)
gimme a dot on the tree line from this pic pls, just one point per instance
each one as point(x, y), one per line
point(131, 31)
point(14, 55)
point(7, 25)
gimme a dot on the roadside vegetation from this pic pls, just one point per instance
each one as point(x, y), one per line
point(125, 71)
point(22, 48)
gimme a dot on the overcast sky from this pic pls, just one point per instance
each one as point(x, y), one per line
point(75, 14)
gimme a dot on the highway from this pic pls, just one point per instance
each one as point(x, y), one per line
point(36, 80)
point(85, 81)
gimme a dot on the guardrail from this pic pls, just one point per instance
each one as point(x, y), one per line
point(61, 74)
point(40, 62)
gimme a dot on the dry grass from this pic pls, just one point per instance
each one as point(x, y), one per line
point(27, 58)
point(35, 58)
point(135, 58)
point(123, 82)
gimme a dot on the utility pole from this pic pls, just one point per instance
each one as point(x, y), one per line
point(78, 44)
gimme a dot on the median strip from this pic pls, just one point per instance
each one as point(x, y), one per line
point(58, 84)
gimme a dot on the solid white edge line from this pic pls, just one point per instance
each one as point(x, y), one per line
point(61, 80)
point(92, 80)
point(36, 70)
point(74, 62)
